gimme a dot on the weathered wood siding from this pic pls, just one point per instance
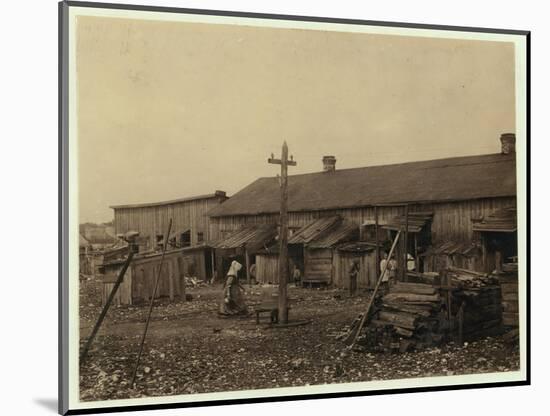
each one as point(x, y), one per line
point(439, 262)
point(123, 295)
point(452, 221)
point(318, 265)
point(139, 281)
point(367, 269)
point(267, 268)
point(152, 220)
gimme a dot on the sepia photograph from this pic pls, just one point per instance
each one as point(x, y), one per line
point(279, 207)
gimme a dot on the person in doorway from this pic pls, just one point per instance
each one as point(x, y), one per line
point(297, 275)
point(411, 263)
point(384, 272)
point(388, 271)
point(353, 275)
point(252, 273)
point(392, 267)
point(233, 298)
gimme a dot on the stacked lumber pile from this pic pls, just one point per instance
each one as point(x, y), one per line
point(416, 315)
point(479, 296)
point(429, 278)
point(462, 278)
point(408, 317)
point(482, 311)
point(509, 287)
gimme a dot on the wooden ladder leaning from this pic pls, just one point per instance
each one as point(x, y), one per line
point(354, 333)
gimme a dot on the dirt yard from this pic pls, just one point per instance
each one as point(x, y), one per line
point(190, 349)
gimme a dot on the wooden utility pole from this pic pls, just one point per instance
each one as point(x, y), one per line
point(377, 268)
point(406, 245)
point(283, 232)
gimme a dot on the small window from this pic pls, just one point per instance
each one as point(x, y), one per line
point(160, 241)
point(185, 239)
point(200, 237)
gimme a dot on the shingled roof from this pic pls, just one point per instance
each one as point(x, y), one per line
point(452, 179)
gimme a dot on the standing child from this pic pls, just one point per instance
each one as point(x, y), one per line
point(353, 274)
point(297, 275)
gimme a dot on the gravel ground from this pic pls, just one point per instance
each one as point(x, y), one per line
point(189, 349)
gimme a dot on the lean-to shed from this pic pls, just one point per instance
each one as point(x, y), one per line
point(139, 279)
point(313, 247)
point(365, 254)
point(498, 238)
point(242, 245)
point(452, 254)
point(267, 265)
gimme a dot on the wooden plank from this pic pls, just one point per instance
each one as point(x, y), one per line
point(169, 270)
point(404, 332)
point(318, 263)
point(510, 297)
point(320, 269)
point(126, 287)
point(181, 276)
point(510, 319)
point(509, 288)
point(405, 245)
point(150, 278)
point(510, 307)
point(323, 277)
point(415, 288)
point(176, 276)
point(377, 240)
point(110, 277)
point(411, 297)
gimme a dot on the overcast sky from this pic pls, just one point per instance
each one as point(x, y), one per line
point(169, 110)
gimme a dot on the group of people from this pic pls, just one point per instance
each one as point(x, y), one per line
point(388, 268)
point(388, 271)
point(232, 302)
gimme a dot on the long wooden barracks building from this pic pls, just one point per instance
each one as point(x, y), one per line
point(448, 201)
point(190, 222)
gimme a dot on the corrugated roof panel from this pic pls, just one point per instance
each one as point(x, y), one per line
point(313, 230)
point(415, 222)
point(337, 234)
point(253, 234)
point(450, 248)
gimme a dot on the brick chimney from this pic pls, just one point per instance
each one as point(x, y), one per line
point(329, 163)
point(508, 143)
